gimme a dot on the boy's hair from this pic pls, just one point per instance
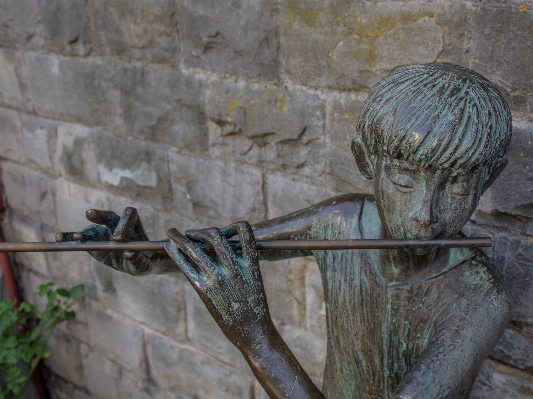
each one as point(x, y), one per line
point(434, 115)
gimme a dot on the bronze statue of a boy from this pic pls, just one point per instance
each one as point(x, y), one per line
point(402, 323)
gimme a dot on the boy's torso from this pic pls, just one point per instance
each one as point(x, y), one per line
point(376, 330)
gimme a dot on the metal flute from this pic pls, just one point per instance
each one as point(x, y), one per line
point(274, 245)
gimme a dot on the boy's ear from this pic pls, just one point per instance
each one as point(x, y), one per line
point(495, 173)
point(361, 159)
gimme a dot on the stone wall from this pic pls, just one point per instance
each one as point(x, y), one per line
point(204, 112)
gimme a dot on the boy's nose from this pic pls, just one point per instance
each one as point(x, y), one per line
point(424, 215)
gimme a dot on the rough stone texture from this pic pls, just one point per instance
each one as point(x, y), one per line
point(513, 257)
point(67, 359)
point(10, 87)
point(259, 124)
point(155, 301)
point(19, 22)
point(342, 173)
point(164, 105)
point(29, 192)
point(76, 154)
point(354, 44)
point(66, 26)
point(284, 286)
point(98, 367)
point(515, 349)
point(137, 170)
point(12, 145)
point(139, 29)
point(235, 36)
point(115, 335)
point(72, 89)
point(216, 192)
point(513, 211)
point(40, 141)
point(512, 24)
point(501, 383)
point(72, 200)
point(201, 113)
point(288, 193)
point(184, 371)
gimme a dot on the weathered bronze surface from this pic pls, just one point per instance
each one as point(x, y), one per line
point(414, 322)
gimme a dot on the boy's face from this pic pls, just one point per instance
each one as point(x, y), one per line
point(424, 203)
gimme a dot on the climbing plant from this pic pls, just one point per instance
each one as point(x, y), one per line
point(22, 348)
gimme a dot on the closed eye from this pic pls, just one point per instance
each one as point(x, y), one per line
point(460, 189)
point(403, 183)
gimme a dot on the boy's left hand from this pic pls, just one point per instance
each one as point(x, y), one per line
point(230, 287)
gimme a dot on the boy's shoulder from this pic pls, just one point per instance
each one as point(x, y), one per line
point(346, 204)
point(477, 277)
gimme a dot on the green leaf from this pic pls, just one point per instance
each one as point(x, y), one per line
point(76, 291)
point(63, 292)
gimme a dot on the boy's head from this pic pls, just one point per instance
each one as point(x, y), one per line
point(434, 117)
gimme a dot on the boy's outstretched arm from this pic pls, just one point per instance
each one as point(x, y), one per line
point(108, 226)
point(232, 290)
point(302, 224)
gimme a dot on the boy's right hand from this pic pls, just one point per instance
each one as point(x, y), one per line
point(111, 227)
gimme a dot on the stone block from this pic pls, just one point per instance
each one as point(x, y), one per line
point(314, 300)
point(20, 22)
point(12, 144)
point(120, 338)
point(24, 229)
point(76, 327)
point(101, 374)
point(508, 202)
point(284, 283)
point(164, 105)
point(512, 256)
point(215, 192)
point(172, 220)
point(268, 126)
point(500, 50)
point(309, 349)
point(237, 37)
point(73, 89)
point(10, 86)
point(131, 385)
point(58, 388)
point(515, 350)
point(204, 333)
point(134, 169)
point(40, 139)
point(66, 360)
point(342, 173)
point(29, 193)
point(76, 153)
point(155, 301)
point(72, 201)
point(187, 372)
point(287, 194)
point(66, 26)
point(353, 45)
point(141, 30)
point(495, 381)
